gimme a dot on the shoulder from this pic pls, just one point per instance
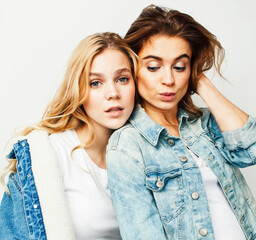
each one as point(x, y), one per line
point(126, 141)
point(207, 117)
point(209, 123)
point(66, 135)
point(66, 139)
point(123, 137)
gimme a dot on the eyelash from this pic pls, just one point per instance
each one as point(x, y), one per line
point(93, 82)
point(178, 69)
point(98, 83)
point(123, 78)
point(153, 69)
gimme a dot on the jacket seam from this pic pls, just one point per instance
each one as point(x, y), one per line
point(252, 156)
point(12, 178)
point(136, 162)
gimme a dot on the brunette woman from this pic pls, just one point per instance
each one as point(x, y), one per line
point(174, 168)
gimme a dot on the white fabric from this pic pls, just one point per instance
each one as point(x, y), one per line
point(225, 224)
point(49, 185)
point(87, 193)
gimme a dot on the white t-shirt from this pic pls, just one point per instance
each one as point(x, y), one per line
point(225, 224)
point(88, 195)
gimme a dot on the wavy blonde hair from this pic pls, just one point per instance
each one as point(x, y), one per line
point(66, 110)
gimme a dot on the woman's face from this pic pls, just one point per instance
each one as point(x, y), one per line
point(164, 72)
point(111, 90)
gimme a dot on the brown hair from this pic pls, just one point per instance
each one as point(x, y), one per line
point(206, 50)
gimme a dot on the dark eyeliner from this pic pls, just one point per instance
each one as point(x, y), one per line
point(152, 69)
point(179, 69)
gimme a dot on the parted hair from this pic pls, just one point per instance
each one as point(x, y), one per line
point(207, 52)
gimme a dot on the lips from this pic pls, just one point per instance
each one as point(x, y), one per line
point(114, 109)
point(167, 96)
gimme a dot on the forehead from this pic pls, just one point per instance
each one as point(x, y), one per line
point(165, 46)
point(109, 59)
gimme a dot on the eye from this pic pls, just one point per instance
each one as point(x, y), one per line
point(95, 84)
point(153, 69)
point(123, 79)
point(179, 69)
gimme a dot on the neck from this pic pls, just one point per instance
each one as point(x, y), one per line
point(166, 118)
point(97, 149)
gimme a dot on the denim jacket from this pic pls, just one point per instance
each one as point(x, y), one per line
point(152, 176)
point(36, 207)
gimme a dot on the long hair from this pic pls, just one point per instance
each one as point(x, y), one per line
point(66, 110)
point(206, 50)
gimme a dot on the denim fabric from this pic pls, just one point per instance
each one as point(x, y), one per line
point(152, 176)
point(20, 212)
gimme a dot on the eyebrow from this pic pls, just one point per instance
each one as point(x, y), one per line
point(160, 59)
point(95, 74)
point(117, 72)
point(122, 70)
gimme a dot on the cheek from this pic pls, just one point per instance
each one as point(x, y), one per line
point(91, 102)
point(143, 83)
point(130, 93)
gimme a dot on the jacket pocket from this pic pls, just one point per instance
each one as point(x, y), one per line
point(167, 188)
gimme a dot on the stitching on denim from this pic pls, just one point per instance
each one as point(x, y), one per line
point(252, 155)
point(134, 160)
point(23, 151)
point(242, 187)
point(12, 177)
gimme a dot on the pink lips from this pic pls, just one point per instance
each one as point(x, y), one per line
point(114, 111)
point(167, 96)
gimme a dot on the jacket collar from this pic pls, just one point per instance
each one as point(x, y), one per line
point(149, 128)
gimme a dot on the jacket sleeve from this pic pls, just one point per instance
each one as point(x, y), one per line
point(12, 217)
point(133, 203)
point(238, 146)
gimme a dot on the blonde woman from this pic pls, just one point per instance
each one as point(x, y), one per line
point(57, 184)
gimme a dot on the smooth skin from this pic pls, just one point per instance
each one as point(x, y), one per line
point(163, 78)
point(110, 101)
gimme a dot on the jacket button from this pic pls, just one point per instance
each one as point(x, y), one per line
point(183, 159)
point(171, 142)
point(159, 183)
point(23, 144)
point(203, 232)
point(195, 195)
point(34, 206)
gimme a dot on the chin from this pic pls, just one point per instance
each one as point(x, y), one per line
point(116, 125)
point(167, 106)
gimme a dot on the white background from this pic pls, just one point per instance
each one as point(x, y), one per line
point(37, 38)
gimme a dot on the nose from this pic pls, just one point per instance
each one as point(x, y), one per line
point(112, 92)
point(168, 78)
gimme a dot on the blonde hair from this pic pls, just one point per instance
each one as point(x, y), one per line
point(66, 110)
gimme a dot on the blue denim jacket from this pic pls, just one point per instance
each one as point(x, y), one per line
point(152, 176)
point(36, 206)
point(15, 223)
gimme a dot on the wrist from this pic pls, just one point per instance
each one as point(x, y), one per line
point(203, 85)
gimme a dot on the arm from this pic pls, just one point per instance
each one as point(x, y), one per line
point(133, 203)
point(234, 130)
point(227, 115)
